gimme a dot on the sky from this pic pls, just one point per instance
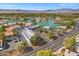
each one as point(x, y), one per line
point(38, 6)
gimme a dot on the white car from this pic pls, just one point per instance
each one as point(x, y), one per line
point(1, 48)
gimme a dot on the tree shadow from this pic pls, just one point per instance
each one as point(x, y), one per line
point(28, 49)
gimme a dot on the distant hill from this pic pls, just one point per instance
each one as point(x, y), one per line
point(66, 10)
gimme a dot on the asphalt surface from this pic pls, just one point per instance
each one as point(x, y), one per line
point(54, 45)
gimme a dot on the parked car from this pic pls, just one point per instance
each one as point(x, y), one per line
point(1, 48)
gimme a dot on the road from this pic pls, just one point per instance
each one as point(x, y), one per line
point(54, 45)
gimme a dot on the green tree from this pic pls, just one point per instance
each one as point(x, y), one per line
point(23, 44)
point(15, 32)
point(50, 35)
point(2, 35)
point(36, 41)
point(69, 43)
point(2, 28)
point(44, 53)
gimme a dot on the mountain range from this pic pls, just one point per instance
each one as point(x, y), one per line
point(66, 10)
